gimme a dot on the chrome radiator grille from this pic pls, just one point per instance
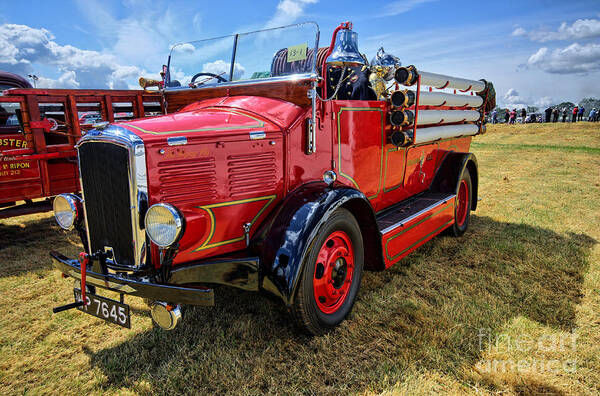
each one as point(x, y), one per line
point(105, 173)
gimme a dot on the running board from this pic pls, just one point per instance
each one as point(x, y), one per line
point(409, 224)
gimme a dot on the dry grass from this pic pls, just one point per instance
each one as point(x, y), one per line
point(528, 269)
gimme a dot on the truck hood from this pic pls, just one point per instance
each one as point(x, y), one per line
point(218, 117)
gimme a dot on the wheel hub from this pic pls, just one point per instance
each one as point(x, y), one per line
point(338, 274)
point(333, 272)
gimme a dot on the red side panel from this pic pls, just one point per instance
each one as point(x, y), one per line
point(64, 176)
point(401, 241)
point(19, 179)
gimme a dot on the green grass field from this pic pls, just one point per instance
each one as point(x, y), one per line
point(512, 307)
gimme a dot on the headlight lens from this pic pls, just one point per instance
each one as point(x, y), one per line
point(66, 210)
point(164, 224)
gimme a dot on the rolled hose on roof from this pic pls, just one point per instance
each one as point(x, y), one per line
point(281, 67)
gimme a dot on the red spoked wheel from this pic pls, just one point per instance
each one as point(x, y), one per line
point(333, 272)
point(463, 205)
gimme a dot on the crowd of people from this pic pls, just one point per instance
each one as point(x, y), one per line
point(552, 114)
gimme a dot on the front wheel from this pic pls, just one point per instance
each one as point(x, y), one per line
point(331, 276)
point(462, 209)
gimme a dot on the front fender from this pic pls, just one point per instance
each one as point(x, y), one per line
point(284, 239)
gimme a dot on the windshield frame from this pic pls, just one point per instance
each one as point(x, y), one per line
point(293, 77)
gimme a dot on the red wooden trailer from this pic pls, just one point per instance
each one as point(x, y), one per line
point(38, 132)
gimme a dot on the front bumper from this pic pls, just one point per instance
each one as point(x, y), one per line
point(135, 286)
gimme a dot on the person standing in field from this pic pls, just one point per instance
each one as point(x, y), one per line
point(555, 114)
point(513, 116)
point(548, 114)
point(580, 114)
point(564, 114)
point(592, 115)
point(494, 116)
point(523, 115)
point(575, 111)
point(506, 116)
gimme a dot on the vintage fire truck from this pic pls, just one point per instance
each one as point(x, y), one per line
point(279, 167)
point(38, 132)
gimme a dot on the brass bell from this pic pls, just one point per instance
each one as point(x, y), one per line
point(345, 51)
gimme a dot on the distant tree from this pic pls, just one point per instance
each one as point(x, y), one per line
point(589, 104)
point(532, 109)
point(568, 105)
point(501, 111)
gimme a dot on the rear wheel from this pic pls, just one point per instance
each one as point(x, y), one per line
point(331, 276)
point(462, 209)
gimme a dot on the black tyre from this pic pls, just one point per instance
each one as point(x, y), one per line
point(331, 276)
point(462, 209)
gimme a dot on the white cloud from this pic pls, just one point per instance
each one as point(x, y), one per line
point(519, 31)
point(67, 80)
point(221, 68)
point(544, 102)
point(288, 11)
point(23, 48)
point(400, 7)
point(575, 58)
point(184, 48)
point(580, 29)
point(513, 99)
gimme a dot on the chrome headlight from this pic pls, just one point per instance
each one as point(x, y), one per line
point(67, 210)
point(164, 224)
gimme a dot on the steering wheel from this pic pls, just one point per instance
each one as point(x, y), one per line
point(219, 78)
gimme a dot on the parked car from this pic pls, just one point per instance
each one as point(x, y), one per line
point(90, 119)
point(11, 80)
point(290, 181)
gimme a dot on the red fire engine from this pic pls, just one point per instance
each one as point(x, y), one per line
point(287, 169)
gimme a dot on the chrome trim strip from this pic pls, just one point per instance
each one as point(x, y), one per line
point(176, 141)
point(138, 180)
point(419, 213)
point(257, 135)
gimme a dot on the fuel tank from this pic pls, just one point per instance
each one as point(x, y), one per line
point(220, 162)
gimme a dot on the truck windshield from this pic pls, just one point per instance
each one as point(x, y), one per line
point(271, 53)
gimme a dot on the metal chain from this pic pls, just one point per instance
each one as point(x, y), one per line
point(337, 87)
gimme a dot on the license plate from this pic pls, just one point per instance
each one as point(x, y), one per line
point(104, 308)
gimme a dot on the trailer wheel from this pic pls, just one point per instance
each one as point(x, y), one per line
point(462, 209)
point(331, 276)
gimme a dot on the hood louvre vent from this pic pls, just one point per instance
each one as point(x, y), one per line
point(251, 174)
point(188, 180)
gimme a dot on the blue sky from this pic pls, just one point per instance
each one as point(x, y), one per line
point(535, 52)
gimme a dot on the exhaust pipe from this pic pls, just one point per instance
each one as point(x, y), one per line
point(166, 316)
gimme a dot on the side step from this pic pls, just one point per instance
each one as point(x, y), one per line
point(409, 224)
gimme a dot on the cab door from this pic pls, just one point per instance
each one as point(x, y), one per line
point(358, 146)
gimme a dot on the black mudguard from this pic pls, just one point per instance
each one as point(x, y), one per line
point(283, 240)
point(450, 172)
